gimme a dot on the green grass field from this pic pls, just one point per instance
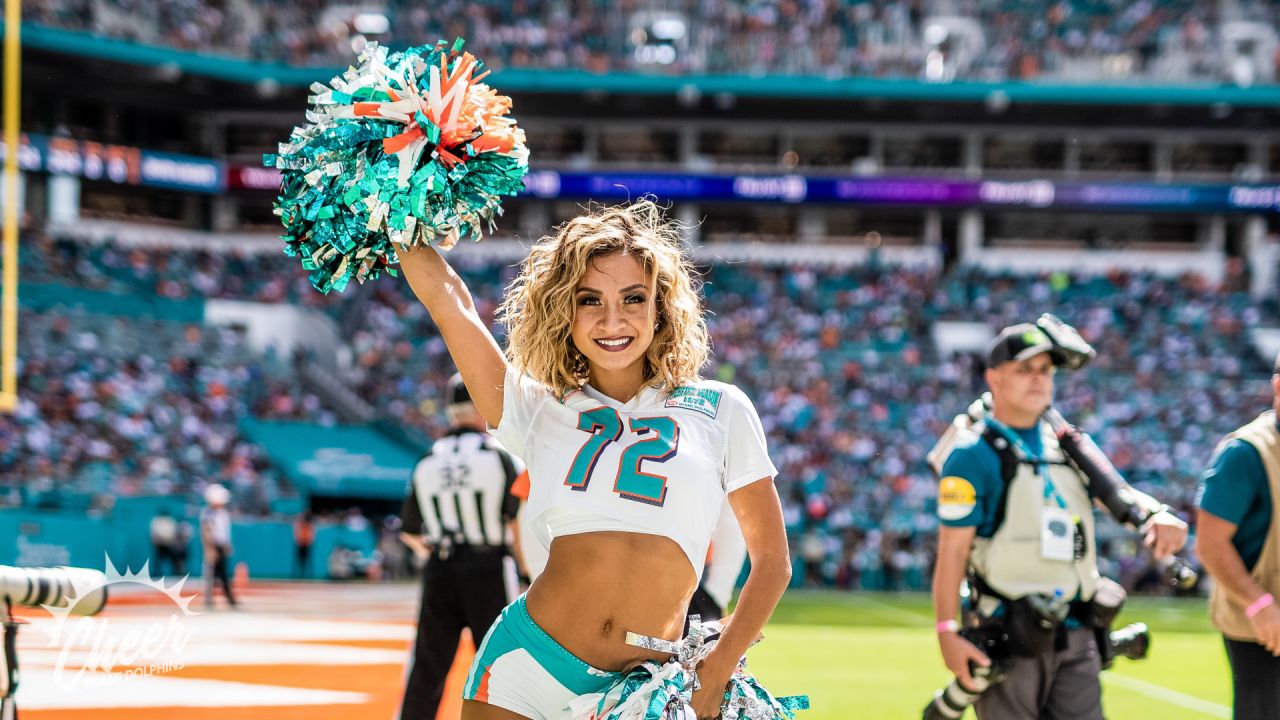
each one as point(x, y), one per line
point(872, 656)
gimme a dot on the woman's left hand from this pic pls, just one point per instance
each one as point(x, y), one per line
point(713, 676)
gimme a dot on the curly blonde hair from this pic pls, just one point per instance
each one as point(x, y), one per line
point(539, 307)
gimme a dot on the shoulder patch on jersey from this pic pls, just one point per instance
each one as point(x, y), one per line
point(703, 400)
point(956, 498)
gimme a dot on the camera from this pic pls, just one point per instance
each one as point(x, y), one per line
point(950, 702)
point(55, 586)
point(81, 590)
point(1029, 629)
point(1076, 352)
point(1132, 641)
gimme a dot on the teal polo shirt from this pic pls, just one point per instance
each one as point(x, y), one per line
point(970, 489)
point(1235, 488)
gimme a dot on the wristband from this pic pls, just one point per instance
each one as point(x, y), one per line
point(949, 626)
point(1154, 519)
point(1259, 605)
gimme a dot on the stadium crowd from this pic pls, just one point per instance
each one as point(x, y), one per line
point(840, 363)
point(166, 273)
point(115, 406)
point(1164, 39)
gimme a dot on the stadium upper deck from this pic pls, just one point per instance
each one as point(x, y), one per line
point(1166, 141)
point(936, 40)
point(1159, 90)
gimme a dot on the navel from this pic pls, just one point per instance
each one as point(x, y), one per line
point(606, 628)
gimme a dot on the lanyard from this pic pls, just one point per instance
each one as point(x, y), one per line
point(1041, 465)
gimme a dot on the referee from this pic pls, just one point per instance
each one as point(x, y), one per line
point(459, 515)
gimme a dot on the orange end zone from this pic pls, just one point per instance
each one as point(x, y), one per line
point(316, 611)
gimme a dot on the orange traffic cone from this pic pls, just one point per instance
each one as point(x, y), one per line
point(240, 579)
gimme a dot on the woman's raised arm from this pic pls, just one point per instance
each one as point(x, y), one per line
point(474, 351)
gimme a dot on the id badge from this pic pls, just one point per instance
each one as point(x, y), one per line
point(1057, 535)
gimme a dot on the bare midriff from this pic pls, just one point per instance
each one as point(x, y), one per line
point(599, 586)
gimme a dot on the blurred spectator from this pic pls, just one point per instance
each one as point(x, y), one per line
point(348, 563)
point(342, 563)
point(391, 551)
point(215, 535)
point(165, 543)
point(304, 536)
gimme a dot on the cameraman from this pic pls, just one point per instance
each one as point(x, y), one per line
point(1017, 516)
point(1238, 544)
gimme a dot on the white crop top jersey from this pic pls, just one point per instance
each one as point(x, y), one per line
point(660, 464)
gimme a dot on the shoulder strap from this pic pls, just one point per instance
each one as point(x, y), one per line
point(1009, 462)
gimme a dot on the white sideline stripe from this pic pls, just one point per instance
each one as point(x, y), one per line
point(906, 616)
point(226, 627)
point(42, 691)
point(201, 653)
point(1173, 697)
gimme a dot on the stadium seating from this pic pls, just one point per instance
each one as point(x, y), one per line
point(1091, 40)
point(117, 405)
point(840, 363)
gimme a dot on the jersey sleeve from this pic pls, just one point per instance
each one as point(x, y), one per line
point(746, 454)
point(411, 511)
point(522, 396)
point(520, 488)
point(1232, 482)
point(966, 492)
point(517, 487)
point(411, 514)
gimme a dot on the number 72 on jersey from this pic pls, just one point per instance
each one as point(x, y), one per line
point(659, 440)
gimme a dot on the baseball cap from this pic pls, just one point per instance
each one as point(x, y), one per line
point(1019, 342)
point(216, 494)
point(456, 391)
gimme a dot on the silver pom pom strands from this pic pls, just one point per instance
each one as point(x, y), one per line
point(655, 691)
point(403, 149)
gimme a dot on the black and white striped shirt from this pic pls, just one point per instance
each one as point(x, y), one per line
point(462, 490)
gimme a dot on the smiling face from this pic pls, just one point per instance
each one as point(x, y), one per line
point(614, 318)
point(568, 294)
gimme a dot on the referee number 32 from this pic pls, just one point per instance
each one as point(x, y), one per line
point(659, 439)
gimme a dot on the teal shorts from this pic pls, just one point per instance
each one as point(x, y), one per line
point(519, 667)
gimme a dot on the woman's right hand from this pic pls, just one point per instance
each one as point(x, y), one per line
point(957, 652)
point(713, 676)
point(473, 349)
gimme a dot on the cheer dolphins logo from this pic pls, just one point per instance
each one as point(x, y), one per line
point(91, 650)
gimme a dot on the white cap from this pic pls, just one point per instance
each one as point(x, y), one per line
point(216, 494)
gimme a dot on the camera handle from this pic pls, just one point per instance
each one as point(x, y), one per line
point(11, 624)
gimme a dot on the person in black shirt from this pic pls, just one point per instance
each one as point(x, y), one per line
point(459, 515)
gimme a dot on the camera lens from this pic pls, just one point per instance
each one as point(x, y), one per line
point(1132, 641)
